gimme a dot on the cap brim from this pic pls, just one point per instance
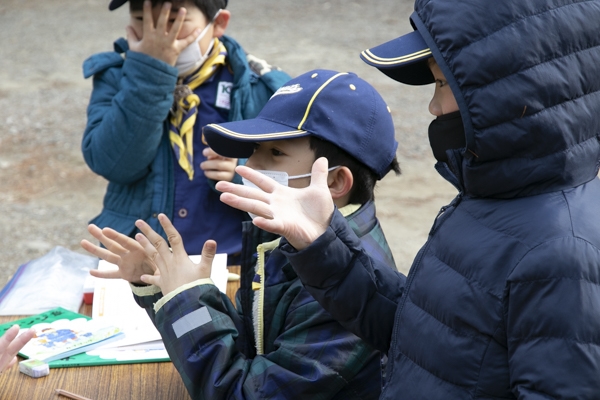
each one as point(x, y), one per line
point(237, 139)
point(403, 59)
point(114, 4)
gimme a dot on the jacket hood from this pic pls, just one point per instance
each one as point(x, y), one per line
point(525, 75)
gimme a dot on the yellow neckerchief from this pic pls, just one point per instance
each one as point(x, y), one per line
point(183, 115)
point(258, 309)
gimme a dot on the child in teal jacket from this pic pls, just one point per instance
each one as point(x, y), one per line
point(138, 107)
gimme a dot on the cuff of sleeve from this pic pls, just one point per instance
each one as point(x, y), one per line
point(334, 254)
point(165, 299)
point(141, 291)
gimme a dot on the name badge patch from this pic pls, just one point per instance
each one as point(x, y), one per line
point(191, 321)
point(224, 95)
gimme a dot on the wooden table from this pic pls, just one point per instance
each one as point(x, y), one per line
point(147, 381)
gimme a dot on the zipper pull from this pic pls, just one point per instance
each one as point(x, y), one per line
point(442, 212)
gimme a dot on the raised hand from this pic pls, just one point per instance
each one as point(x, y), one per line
point(176, 268)
point(216, 167)
point(300, 215)
point(10, 344)
point(121, 250)
point(159, 41)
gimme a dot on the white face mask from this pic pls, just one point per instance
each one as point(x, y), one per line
point(280, 177)
point(191, 58)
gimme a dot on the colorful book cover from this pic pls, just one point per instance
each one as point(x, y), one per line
point(95, 355)
point(66, 337)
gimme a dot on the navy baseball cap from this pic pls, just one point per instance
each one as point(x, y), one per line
point(338, 107)
point(403, 59)
point(114, 4)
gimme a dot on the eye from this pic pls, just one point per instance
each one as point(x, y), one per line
point(276, 152)
point(441, 82)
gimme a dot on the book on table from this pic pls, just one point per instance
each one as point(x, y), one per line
point(63, 335)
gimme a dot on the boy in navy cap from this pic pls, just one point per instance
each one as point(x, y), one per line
point(279, 343)
point(176, 72)
point(503, 300)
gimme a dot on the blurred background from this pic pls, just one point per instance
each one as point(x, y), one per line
point(48, 194)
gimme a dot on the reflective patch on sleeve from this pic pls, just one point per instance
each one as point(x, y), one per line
point(193, 320)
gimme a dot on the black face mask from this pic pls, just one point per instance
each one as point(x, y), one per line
point(446, 132)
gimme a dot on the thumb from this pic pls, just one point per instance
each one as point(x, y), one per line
point(319, 172)
point(131, 36)
point(208, 254)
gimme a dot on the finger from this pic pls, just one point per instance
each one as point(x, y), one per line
point(148, 23)
point(106, 241)
point(209, 153)
point(172, 234)
point(219, 164)
point(100, 252)
point(242, 191)
point(154, 238)
point(11, 363)
point(225, 174)
point(269, 225)
point(218, 175)
point(113, 274)
point(151, 251)
point(319, 172)
point(163, 18)
point(8, 337)
point(11, 346)
point(252, 206)
point(178, 23)
point(213, 165)
point(151, 279)
point(21, 340)
point(124, 241)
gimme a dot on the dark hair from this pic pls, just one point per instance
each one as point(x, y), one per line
point(208, 7)
point(364, 178)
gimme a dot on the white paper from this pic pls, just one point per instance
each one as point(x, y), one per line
point(219, 273)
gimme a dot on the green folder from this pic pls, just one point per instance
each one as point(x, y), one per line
point(78, 360)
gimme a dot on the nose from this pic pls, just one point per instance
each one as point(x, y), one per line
point(435, 105)
point(251, 163)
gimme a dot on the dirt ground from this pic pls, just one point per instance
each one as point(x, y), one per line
point(47, 193)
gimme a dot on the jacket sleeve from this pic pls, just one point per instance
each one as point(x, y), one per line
point(314, 354)
point(126, 114)
point(359, 292)
point(552, 311)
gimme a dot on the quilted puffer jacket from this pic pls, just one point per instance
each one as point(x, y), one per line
point(503, 300)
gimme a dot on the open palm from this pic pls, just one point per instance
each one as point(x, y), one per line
point(299, 215)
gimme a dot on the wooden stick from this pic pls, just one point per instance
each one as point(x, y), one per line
point(70, 395)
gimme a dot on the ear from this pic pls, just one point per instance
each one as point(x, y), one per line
point(220, 23)
point(340, 182)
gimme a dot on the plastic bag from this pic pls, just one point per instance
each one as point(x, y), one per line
point(54, 280)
